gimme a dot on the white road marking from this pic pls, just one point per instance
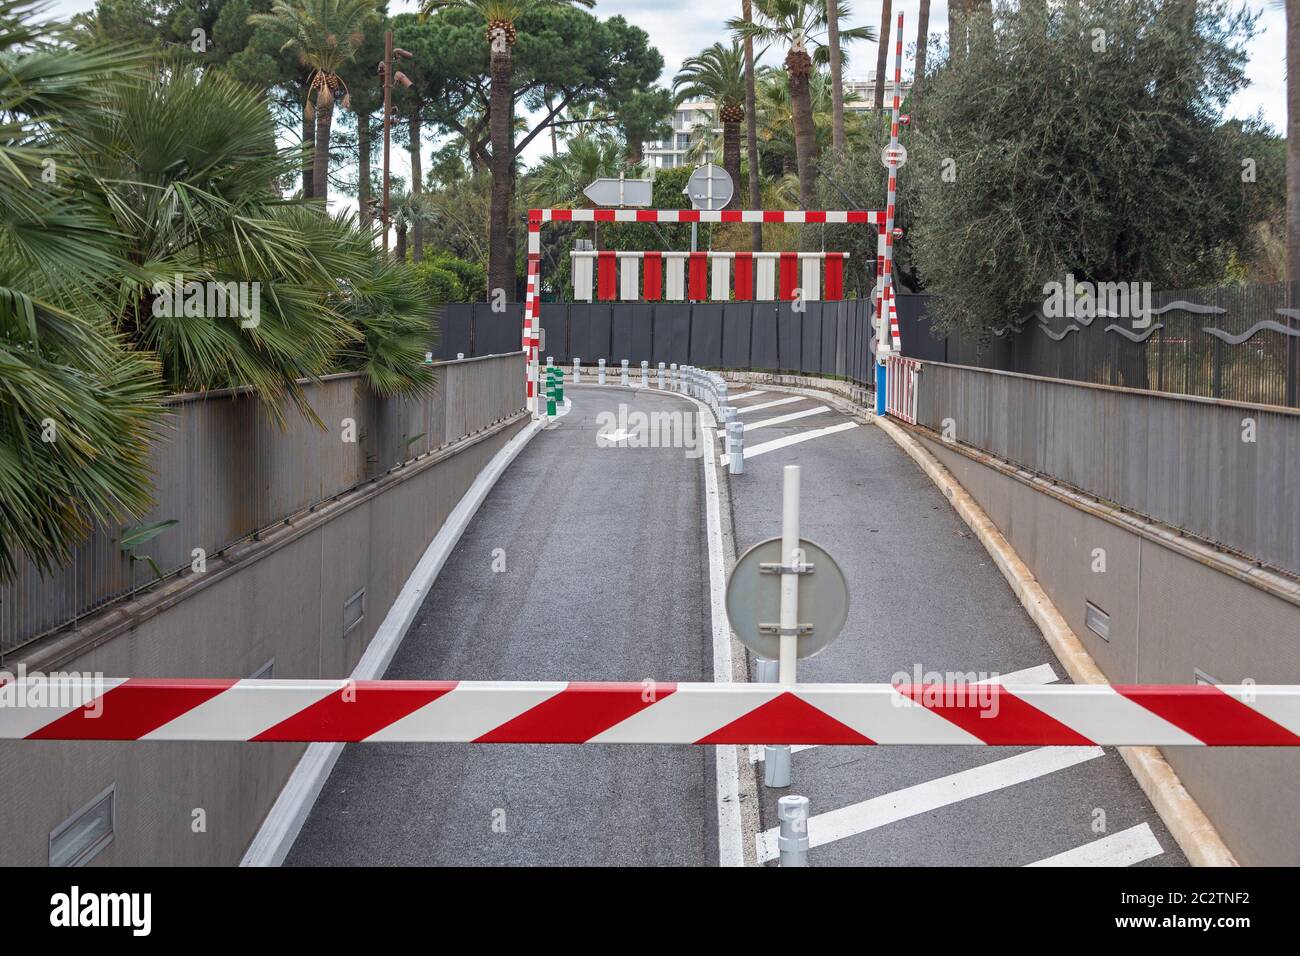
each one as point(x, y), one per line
point(1042, 674)
point(788, 440)
point(1119, 849)
point(753, 394)
point(773, 404)
point(731, 847)
point(923, 797)
point(782, 419)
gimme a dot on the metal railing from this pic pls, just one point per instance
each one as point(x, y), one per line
point(225, 470)
point(1222, 471)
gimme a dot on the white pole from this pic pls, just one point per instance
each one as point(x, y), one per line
point(645, 374)
point(791, 557)
point(577, 370)
point(600, 372)
point(661, 376)
point(623, 378)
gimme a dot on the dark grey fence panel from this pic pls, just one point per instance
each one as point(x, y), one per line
point(764, 356)
point(496, 333)
point(589, 332)
point(555, 327)
point(642, 314)
point(789, 332)
point(672, 332)
point(811, 361)
point(737, 324)
point(621, 345)
point(829, 333)
point(454, 322)
point(706, 335)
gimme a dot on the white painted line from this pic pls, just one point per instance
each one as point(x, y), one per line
point(909, 802)
point(796, 438)
point(284, 822)
point(1119, 849)
point(782, 419)
point(731, 846)
point(1042, 674)
point(773, 404)
point(753, 394)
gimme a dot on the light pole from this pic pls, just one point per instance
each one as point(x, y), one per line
point(389, 74)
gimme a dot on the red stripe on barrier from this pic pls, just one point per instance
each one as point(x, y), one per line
point(652, 276)
point(815, 216)
point(858, 216)
point(789, 276)
point(989, 712)
point(358, 710)
point(773, 215)
point(688, 215)
point(606, 268)
point(561, 215)
point(132, 709)
point(1209, 715)
point(579, 712)
point(834, 278)
point(744, 276)
point(732, 215)
point(647, 215)
point(789, 719)
point(698, 290)
point(603, 215)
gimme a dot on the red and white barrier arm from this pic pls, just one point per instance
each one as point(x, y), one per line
point(649, 712)
point(873, 217)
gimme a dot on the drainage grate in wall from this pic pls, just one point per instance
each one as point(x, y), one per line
point(354, 611)
point(78, 839)
point(1097, 620)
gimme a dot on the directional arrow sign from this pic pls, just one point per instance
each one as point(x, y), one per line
point(621, 192)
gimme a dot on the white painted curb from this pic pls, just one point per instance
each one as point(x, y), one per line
point(282, 825)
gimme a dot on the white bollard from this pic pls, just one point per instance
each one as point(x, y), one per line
point(661, 376)
point(645, 374)
point(459, 355)
point(600, 373)
point(792, 837)
point(736, 447)
point(623, 375)
point(776, 757)
point(577, 371)
point(550, 360)
point(673, 367)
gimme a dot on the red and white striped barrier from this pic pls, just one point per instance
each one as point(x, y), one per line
point(643, 713)
point(900, 391)
point(663, 276)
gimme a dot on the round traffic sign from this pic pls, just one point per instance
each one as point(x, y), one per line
point(710, 187)
point(891, 157)
point(754, 599)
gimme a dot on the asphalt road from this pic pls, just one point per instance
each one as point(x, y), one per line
point(924, 593)
point(605, 579)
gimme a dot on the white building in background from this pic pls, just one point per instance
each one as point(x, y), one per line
point(859, 97)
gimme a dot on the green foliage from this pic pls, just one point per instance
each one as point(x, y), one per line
point(438, 283)
point(471, 275)
point(75, 407)
point(1108, 161)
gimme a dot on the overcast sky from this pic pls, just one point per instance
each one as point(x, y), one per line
point(680, 28)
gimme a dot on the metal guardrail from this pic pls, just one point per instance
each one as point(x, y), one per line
point(1222, 471)
point(225, 470)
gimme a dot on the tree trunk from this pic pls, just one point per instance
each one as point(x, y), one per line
point(417, 185)
point(501, 271)
point(363, 170)
point(731, 160)
point(956, 42)
point(751, 135)
point(320, 167)
point(635, 152)
point(399, 250)
point(922, 41)
point(805, 134)
point(1293, 140)
point(882, 64)
point(837, 78)
point(309, 153)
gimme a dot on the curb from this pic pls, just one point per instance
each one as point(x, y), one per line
point(1182, 815)
point(276, 836)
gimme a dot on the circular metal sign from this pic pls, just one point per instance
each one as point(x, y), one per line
point(710, 187)
point(754, 599)
point(891, 157)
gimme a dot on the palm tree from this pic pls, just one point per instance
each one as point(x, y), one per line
point(326, 35)
point(559, 180)
point(776, 117)
point(75, 407)
point(799, 23)
point(837, 76)
point(410, 211)
point(751, 130)
point(882, 63)
point(500, 17)
point(922, 41)
point(718, 74)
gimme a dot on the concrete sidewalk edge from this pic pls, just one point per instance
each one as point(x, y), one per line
point(1182, 815)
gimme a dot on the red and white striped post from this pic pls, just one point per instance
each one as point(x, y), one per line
point(886, 311)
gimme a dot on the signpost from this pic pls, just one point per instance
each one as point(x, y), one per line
point(787, 598)
point(710, 187)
